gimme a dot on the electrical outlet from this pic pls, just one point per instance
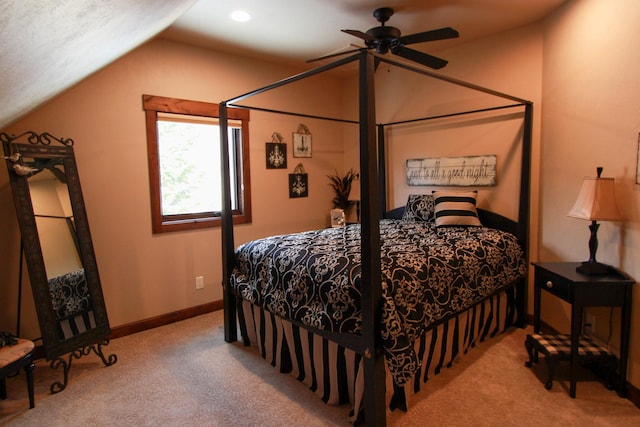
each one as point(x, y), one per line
point(589, 323)
point(199, 282)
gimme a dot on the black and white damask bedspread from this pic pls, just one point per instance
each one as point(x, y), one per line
point(69, 294)
point(428, 274)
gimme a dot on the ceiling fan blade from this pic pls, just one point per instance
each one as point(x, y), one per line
point(359, 34)
point(419, 57)
point(333, 55)
point(428, 36)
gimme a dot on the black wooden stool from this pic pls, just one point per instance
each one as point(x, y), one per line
point(557, 347)
point(12, 359)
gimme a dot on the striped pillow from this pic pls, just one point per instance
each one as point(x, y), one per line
point(456, 208)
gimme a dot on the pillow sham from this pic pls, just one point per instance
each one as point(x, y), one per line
point(456, 208)
point(420, 207)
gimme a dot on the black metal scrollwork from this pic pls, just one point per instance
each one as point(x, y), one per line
point(58, 386)
point(35, 138)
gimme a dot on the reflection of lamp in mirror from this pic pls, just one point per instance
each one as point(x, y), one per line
point(354, 195)
point(596, 202)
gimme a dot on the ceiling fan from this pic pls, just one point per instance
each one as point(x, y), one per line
point(389, 39)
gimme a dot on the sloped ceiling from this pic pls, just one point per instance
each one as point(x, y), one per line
point(48, 46)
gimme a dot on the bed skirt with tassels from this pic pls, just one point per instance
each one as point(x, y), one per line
point(336, 374)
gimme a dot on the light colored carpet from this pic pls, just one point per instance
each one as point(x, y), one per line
point(185, 374)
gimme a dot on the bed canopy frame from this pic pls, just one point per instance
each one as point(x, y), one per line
point(372, 209)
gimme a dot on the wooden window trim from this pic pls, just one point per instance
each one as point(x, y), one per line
point(152, 105)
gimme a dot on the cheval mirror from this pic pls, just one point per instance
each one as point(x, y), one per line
point(57, 247)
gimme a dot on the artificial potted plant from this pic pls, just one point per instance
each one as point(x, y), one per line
point(342, 187)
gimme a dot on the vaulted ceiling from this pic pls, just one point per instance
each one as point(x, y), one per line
point(47, 47)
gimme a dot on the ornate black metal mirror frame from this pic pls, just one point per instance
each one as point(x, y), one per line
point(92, 336)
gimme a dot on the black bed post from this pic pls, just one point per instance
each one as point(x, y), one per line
point(524, 209)
point(525, 182)
point(374, 373)
point(229, 299)
point(382, 169)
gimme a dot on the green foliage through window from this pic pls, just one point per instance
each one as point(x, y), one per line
point(189, 167)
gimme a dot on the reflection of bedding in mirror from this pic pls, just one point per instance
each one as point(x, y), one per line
point(72, 303)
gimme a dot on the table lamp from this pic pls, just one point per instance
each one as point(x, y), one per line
point(596, 202)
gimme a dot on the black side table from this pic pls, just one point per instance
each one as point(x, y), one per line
point(579, 290)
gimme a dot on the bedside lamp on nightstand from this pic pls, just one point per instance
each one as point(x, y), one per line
point(596, 202)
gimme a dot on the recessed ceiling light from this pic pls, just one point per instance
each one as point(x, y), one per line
point(240, 16)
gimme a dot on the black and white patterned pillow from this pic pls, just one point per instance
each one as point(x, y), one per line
point(456, 208)
point(420, 207)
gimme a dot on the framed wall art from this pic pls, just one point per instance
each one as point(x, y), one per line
point(337, 218)
point(298, 183)
point(302, 142)
point(276, 155)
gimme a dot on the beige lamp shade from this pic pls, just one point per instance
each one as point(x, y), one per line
point(596, 201)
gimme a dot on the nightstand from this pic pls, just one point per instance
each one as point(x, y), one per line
point(611, 290)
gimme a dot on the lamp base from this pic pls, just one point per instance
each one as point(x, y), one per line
point(593, 268)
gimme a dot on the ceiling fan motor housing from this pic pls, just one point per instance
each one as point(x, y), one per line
point(384, 32)
point(383, 36)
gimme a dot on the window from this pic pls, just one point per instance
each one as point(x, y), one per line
point(183, 142)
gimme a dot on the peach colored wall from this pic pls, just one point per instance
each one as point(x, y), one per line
point(590, 115)
point(146, 275)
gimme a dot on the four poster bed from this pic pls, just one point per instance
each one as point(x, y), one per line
point(367, 312)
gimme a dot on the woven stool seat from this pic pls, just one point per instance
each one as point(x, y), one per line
point(13, 358)
point(560, 345)
point(557, 347)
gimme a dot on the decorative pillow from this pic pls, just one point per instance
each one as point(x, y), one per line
point(420, 207)
point(456, 208)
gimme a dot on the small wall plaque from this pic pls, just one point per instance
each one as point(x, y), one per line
point(298, 183)
point(276, 155)
point(302, 142)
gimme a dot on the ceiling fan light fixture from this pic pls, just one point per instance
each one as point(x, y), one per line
point(240, 16)
point(384, 38)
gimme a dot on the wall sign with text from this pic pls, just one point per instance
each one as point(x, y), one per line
point(464, 171)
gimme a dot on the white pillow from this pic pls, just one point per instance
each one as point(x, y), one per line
point(456, 208)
